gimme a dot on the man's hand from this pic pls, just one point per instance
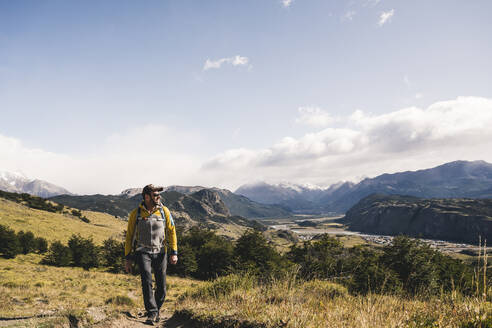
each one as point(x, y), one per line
point(174, 259)
point(128, 266)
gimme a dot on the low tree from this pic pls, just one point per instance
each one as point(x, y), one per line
point(113, 253)
point(9, 242)
point(187, 265)
point(215, 258)
point(27, 241)
point(85, 253)
point(58, 255)
point(319, 259)
point(253, 254)
point(41, 245)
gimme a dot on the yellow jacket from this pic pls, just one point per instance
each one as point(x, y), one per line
point(132, 223)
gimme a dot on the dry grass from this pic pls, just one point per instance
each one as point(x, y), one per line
point(28, 288)
point(324, 304)
point(55, 226)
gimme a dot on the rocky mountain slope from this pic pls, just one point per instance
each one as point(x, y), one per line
point(459, 219)
point(450, 180)
point(238, 205)
point(202, 207)
point(16, 182)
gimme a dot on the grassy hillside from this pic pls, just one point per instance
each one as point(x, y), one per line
point(29, 289)
point(290, 303)
point(56, 226)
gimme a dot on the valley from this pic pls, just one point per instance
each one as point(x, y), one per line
point(308, 227)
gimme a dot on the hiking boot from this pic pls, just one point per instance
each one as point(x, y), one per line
point(157, 317)
point(152, 317)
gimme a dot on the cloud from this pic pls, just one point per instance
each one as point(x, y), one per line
point(348, 16)
point(234, 61)
point(131, 159)
point(371, 2)
point(287, 3)
point(314, 116)
point(367, 145)
point(385, 17)
point(406, 80)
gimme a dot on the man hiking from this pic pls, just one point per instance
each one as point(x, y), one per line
point(146, 244)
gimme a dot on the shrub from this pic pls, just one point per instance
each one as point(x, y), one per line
point(368, 274)
point(215, 258)
point(9, 242)
point(58, 255)
point(319, 259)
point(41, 245)
point(113, 253)
point(84, 253)
point(187, 265)
point(253, 254)
point(27, 241)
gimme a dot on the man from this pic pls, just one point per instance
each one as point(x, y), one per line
point(145, 243)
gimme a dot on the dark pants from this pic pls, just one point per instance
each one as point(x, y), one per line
point(157, 262)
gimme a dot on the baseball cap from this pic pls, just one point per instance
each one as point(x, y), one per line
point(150, 188)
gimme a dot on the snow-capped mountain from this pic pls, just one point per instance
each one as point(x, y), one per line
point(470, 179)
point(19, 183)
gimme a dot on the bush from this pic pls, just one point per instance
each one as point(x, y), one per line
point(319, 259)
point(113, 253)
point(253, 254)
point(368, 274)
point(27, 241)
point(203, 254)
point(215, 259)
point(41, 245)
point(84, 253)
point(187, 265)
point(9, 242)
point(58, 255)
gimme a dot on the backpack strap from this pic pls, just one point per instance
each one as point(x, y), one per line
point(134, 239)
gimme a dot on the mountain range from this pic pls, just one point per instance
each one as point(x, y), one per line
point(17, 182)
point(452, 219)
point(472, 179)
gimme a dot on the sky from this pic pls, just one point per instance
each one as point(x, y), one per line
point(100, 96)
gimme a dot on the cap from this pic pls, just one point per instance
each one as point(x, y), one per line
point(150, 188)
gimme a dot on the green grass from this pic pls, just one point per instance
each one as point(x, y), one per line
point(56, 226)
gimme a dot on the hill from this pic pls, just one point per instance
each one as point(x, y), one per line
point(60, 226)
point(203, 208)
point(459, 179)
point(122, 204)
point(461, 220)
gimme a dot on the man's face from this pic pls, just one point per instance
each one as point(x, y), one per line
point(154, 197)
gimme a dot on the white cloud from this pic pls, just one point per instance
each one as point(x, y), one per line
point(287, 3)
point(234, 61)
point(371, 2)
point(314, 116)
point(361, 144)
point(406, 139)
point(349, 15)
point(406, 80)
point(419, 95)
point(385, 17)
point(131, 159)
